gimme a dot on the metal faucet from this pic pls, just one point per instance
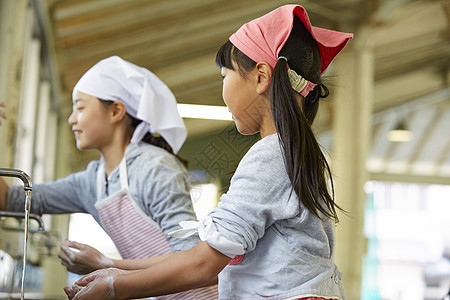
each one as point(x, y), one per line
point(18, 174)
point(10, 214)
point(27, 187)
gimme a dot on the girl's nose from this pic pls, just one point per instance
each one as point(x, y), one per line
point(71, 119)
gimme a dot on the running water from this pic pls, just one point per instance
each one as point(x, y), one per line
point(25, 240)
point(28, 187)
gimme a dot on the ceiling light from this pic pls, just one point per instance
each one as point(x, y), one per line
point(210, 112)
point(400, 133)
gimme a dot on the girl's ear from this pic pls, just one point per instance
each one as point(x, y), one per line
point(118, 111)
point(264, 73)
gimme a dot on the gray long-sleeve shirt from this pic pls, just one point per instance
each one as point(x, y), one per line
point(288, 250)
point(157, 182)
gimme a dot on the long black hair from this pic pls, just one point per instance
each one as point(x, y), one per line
point(149, 138)
point(305, 163)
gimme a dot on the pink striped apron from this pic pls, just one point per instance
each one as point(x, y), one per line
point(134, 233)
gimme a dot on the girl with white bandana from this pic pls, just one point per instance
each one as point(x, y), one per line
point(271, 235)
point(138, 191)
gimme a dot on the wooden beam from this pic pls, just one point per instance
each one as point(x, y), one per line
point(401, 89)
point(412, 59)
point(64, 10)
point(435, 145)
point(398, 159)
point(418, 102)
point(187, 34)
point(409, 178)
point(159, 49)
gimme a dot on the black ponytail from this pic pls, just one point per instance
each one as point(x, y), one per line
point(305, 162)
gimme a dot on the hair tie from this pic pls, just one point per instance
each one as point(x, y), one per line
point(308, 88)
point(300, 84)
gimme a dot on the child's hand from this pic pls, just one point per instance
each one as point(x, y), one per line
point(82, 259)
point(96, 285)
point(72, 291)
point(2, 113)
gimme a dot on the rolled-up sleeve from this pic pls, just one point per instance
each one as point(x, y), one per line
point(259, 195)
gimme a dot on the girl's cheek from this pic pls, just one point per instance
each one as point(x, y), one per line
point(224, 93)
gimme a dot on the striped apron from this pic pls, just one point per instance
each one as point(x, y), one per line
point(134, 233)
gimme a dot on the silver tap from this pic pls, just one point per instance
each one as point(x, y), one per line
point(10, 214)
point(18, 174)
point(27, 187)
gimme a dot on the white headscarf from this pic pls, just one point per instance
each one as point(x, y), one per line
point(144, 95)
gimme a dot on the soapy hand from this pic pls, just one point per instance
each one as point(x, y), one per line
point(71, 292)
point(2, 113)
point(81, 258)
point(97, 285)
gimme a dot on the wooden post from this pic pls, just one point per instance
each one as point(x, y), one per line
point(352, 131)
point(12, 36)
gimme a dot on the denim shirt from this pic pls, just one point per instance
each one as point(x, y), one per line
point(287, 249)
